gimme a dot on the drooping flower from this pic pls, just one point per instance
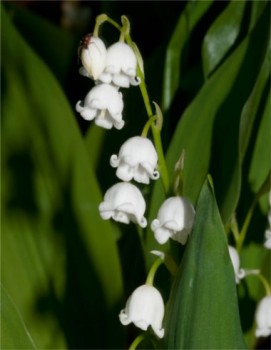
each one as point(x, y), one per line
point(120, 66)
point(93, 56)
point(124, 202)
point(263, 317)
point(239, 273)
point(137, 160)
point(144, 308)
point(174, 220)
point(104, 104)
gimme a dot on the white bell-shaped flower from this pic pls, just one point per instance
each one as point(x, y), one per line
point(120, 67)
point(93, 56)
point(144, 308)
point(137, 160)
point(104, 104)
point(174, 220)
point(124, 202)
point(239, 273)
point(267, 236)
point(263, 317)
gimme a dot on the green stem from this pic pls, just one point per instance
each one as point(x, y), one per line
point(168, 261)
point(155, 130)
point(234, 228)
point(136, 342)
point(265, 283)
point(99, 21)
point(148, 125)
point(125, 30)
point(115, 24)
point(243, 232)
point(152, 272)
point(265, 187)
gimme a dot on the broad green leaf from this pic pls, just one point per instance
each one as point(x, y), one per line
point(261, 157)
point(203, 123)
point(191, 15)
point(14, 334)
point(60, 263)
point(203, 308)
point(219, 102)
point(222, 35)
point(257, 8)
point(249, 115)
point(201, 131)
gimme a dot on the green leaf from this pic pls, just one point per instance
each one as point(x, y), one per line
point(203, 309)
point(257, 8)
point(203, 123)
point(221, 36)
point(261, 161)
point(14, 334)
point(201, 129)
point(250, 113)
point(191, 15)
point(60, 261)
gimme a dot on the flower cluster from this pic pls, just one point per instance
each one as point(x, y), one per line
point(111, 69)
point(137, 163)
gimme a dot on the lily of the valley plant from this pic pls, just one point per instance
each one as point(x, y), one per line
point(138, 162)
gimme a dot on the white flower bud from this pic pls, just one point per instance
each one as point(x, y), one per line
point(124, 202)
point(239, 273)
point(104, 104)
point(174, 220)
point(120, 67)
point(144, 308)
point(93, 57)
point(137, 160)
point(263, 317)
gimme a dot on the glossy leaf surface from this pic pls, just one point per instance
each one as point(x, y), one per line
point(191, 15)
point(203, 309)
point(226, 26)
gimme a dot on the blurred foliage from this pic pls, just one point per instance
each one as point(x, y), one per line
point(66, 273)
